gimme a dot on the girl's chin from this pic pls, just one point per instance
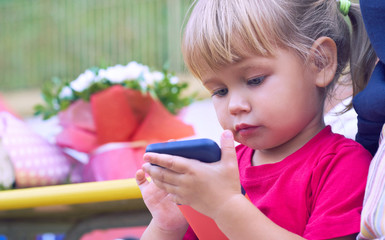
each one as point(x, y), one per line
point(250, 143)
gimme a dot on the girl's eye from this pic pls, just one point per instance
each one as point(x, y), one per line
point(220, 92)
point(256, 81)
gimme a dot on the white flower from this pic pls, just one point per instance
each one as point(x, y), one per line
point(151, 77)
point(66, 92)
point(134, 70)
point(83, 81)
point(115, 74)
point(174, 80)
point(120, 73)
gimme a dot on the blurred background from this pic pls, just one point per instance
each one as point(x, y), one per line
point(45, 39)
point(42, 39)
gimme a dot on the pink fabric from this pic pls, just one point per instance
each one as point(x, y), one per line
point(317, 192)
point(36, 161)
point(117, 233)
point(77, 138)
point(116, 161)
point(79, 115)
point(79, 130)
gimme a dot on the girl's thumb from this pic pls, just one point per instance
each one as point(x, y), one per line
point(227, 146)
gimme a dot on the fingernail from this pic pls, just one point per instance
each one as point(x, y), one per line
point(146, 157)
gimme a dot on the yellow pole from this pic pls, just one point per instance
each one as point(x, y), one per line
point(69, 194)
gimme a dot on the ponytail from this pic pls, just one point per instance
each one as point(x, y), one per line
point(362, 58)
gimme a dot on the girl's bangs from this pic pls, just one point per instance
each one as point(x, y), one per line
point(212, 41)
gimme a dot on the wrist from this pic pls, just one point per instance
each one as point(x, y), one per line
point(154, 231)
point(230, 206)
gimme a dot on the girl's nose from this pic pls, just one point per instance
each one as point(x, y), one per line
point(238, 103)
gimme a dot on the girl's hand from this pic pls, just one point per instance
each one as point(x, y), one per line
point(166, 214)
point(203, 186)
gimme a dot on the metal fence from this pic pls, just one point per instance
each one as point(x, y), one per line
point(41, 39)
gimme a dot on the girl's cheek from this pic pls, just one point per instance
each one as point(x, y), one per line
point(221, 112)
point(224, 121)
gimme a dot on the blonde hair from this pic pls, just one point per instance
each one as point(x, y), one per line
point(221, 32)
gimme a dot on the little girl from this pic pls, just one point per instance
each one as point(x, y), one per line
point(269, 65)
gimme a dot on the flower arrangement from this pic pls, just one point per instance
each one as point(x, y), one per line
point(164, 86)
point(110, 115)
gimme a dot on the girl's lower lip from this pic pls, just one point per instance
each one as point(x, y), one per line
point(246, 132)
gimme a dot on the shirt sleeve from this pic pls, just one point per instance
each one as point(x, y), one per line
point(190, 235)
point(337, 193)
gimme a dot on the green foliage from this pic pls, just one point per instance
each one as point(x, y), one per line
point(170, 94)
point(53, 104)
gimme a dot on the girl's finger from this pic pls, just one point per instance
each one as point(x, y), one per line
point(173, 163)
point(227, 146)
point(172, 190)
point(140, 178)
point(160, 174)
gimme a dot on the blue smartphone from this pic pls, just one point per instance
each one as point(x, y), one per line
point(203, 149)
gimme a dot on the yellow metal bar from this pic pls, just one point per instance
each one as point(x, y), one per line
point(69, 194)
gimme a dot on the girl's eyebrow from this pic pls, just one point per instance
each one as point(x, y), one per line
point(252, 67)
point(207, 81)
point(252, 62)
point(255, 63)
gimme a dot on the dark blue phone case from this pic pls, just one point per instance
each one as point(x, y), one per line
point(203, 149)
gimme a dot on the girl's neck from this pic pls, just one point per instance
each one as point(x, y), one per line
point(342, 90)
point(277, 154)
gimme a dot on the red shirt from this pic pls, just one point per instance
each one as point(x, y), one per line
point(317, 192)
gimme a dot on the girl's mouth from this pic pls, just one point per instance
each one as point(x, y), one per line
point(245, 130)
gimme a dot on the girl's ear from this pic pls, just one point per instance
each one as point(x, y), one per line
point(323, 61)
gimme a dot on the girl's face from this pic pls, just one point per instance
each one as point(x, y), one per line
point(268, 103)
